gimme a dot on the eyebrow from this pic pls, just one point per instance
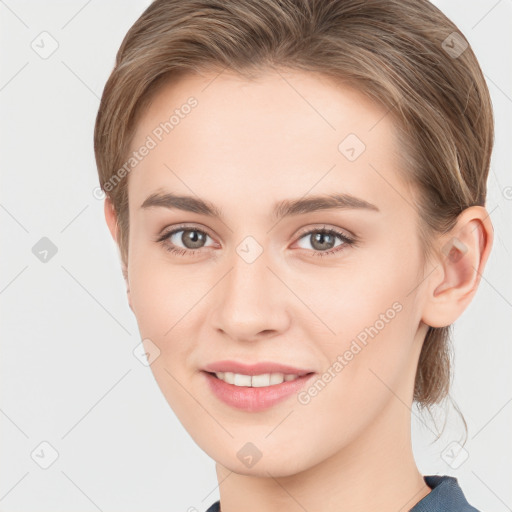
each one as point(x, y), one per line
point(281, 209)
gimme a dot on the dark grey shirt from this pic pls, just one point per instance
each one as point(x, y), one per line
point(446, 496)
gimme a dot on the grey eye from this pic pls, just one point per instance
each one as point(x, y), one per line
point(320, 240)
point(190, 238)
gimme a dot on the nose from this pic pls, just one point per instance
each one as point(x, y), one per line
point(252, 303)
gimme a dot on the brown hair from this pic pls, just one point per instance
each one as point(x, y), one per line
point(404, 54)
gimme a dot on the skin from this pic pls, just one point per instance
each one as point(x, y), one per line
point(247, 145)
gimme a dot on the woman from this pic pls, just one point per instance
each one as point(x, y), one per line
point(297, 189)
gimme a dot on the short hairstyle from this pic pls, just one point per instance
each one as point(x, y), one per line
point(406, 55)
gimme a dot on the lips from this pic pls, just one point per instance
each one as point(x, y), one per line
point(255, 399)
point(255, 369)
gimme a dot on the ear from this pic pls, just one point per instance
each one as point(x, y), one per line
point(462, 255)
point(111, 218)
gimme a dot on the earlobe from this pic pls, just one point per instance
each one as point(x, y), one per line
point(462, 258)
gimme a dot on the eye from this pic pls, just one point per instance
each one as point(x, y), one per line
point(323, 241)
point(191, 237)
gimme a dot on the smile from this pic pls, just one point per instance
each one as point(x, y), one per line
point(257, 392)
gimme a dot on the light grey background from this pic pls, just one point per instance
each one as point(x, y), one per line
point(68, 374)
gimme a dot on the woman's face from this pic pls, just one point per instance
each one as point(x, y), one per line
point(253, 285)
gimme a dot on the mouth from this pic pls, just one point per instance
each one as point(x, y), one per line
point(254, 393)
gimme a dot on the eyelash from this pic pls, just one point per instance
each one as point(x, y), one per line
point(347, 241)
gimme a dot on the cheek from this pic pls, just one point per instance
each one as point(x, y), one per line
point(368, 365)
point(167, 299)
point(371, 318)
point(155, 292)
point(354, 295)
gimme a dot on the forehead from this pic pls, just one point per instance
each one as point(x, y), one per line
point(281, 134)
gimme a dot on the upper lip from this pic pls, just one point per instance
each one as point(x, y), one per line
point(254, 369)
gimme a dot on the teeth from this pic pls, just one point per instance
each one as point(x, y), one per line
point(255, 381)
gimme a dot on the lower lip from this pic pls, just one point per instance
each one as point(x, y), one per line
point(255, 399)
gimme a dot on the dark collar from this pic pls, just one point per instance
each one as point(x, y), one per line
point(445, 496)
